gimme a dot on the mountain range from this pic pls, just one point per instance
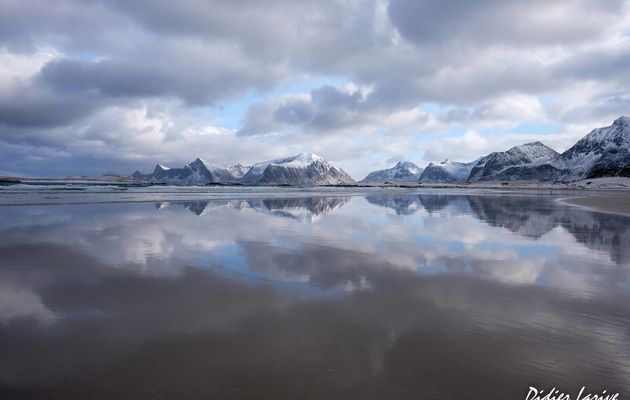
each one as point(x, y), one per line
point(304, 169)
point(196, 173)
point(603, 152)
point(303, 209)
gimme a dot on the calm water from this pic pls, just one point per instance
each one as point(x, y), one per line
point(406, 296)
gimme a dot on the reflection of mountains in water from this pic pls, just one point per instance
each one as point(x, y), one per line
point(527, 216)
point(536, 216)
point(530, 216)
point(306, 209)
point(408, 204)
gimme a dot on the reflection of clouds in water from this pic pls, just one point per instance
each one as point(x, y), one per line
point(22, 302)
point(517, 239)
point(390, 326)
point(403, 309)
point(529, 216)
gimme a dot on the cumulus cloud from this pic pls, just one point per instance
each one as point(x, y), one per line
point(324, 110)
point(401, 70)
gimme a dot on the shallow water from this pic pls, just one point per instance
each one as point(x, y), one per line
point(405, 296)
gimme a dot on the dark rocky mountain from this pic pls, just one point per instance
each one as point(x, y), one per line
point(529, 155)
point(603, 152)
point(198, 172)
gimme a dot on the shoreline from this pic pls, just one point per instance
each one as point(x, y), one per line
point(617, 204)
point(14, 196)
point(595, 184)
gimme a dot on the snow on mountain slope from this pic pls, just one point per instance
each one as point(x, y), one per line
point(239, 170)
point(529, 154)
point(603, 152)
point(207, 172)
point(446, 172)
point(403, 171)
point(301, 169)
point(297, 161)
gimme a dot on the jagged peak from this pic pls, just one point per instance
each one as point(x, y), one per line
point(537, 143)
point(309, 157)
point(199, 160)
point(530, 144)
point(301, 159)
point(160, 168)
point(621, 126)
point(405, 164)
point(207, 164)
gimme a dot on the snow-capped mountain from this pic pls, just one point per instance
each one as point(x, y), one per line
point(404, 171)
point(603, 152)
point(207, 172)
point(446, 172)
point(239, 170)
point(198, 172)
point(304, 209)
point(306, 169)
point(529, 154)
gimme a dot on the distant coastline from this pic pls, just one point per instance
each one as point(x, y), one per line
point(604, 183)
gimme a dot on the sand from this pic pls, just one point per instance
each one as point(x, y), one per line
point(618, 203)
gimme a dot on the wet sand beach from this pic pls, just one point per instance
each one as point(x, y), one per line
point(406, 295)
point(617, 203)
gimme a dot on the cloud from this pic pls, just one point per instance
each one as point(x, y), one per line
point(496, 22)
point(502, 112)
point(197, 73)
point(401, 70)
point(326, 109)
point(458, 148)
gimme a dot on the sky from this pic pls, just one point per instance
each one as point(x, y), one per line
point(94, 86)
